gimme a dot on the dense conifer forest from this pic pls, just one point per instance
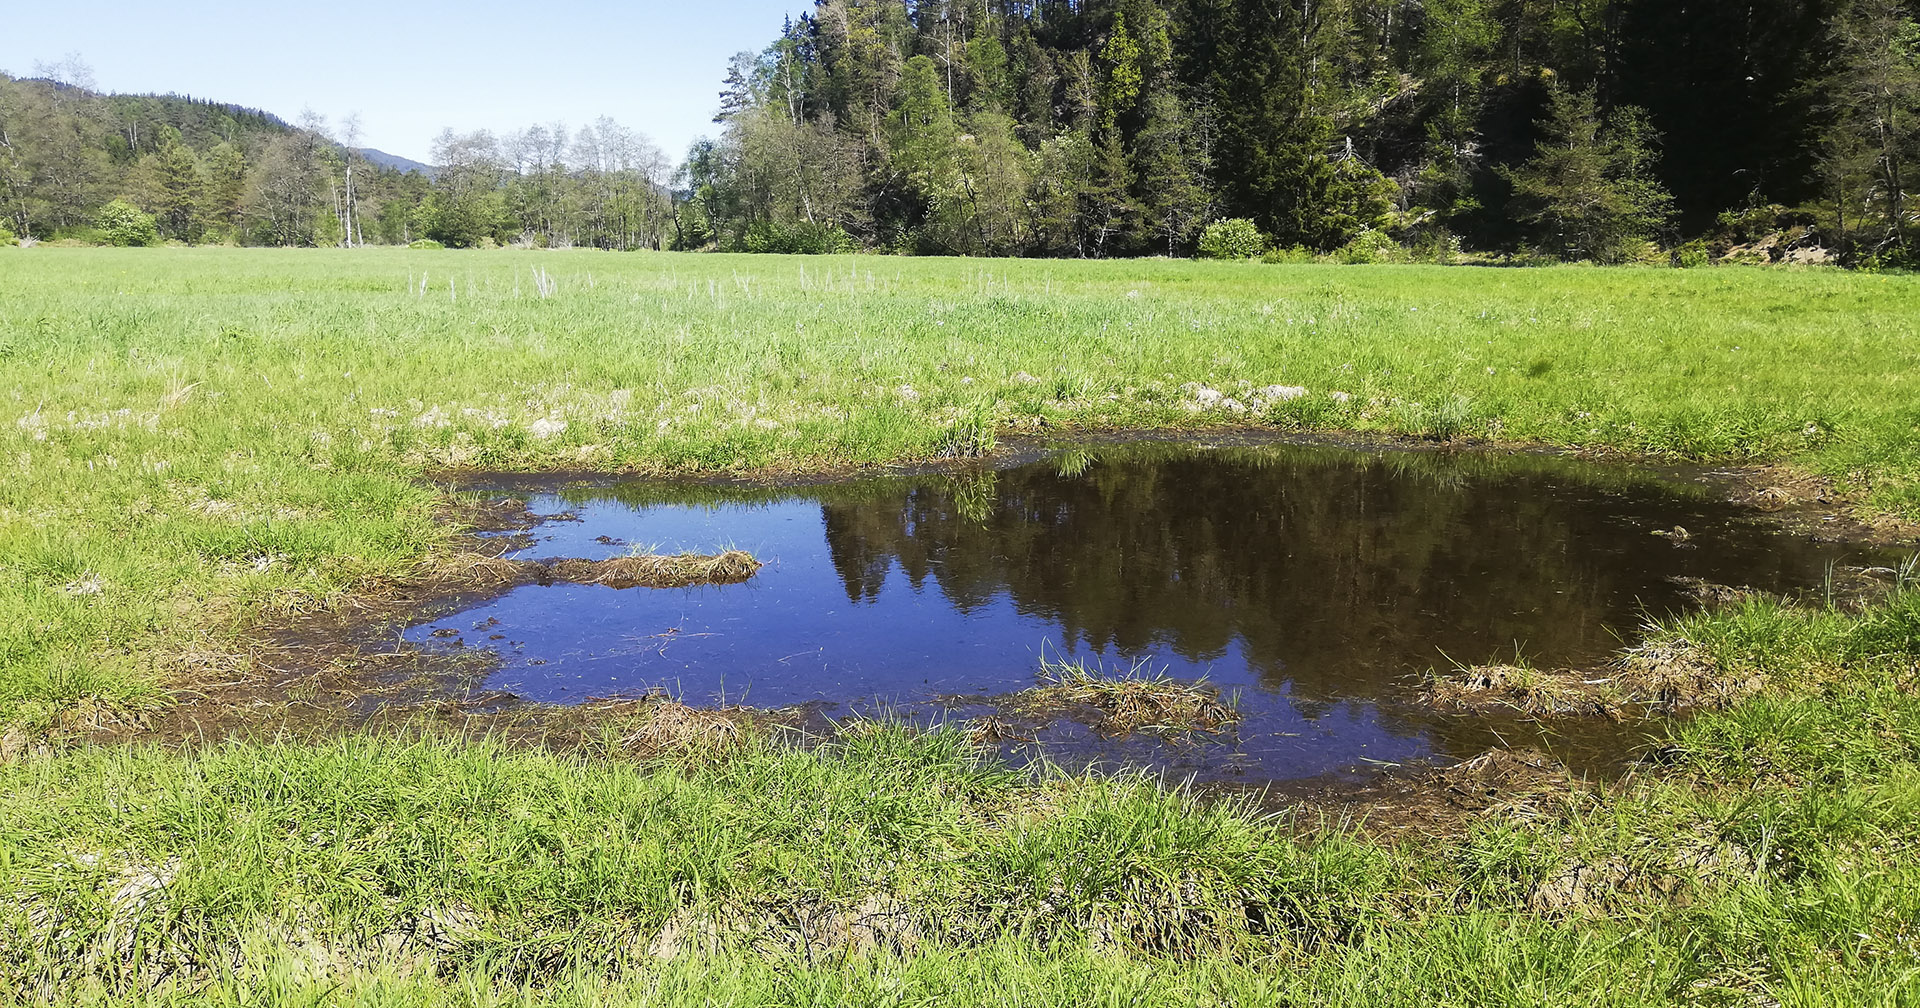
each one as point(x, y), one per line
point(1606, 130)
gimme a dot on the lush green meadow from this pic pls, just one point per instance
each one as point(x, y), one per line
point(202, 439)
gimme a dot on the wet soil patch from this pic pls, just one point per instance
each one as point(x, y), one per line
point(1417, 804)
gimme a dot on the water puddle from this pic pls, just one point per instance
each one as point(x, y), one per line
point(1311, 585)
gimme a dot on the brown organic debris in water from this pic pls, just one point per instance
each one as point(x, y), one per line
point(991, 731)
point(1713, 594)
point(658, 571)
point(1555, 693)
point(1162, 706)
point(1658, 677)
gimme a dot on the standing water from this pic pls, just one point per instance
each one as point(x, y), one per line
point(1314, 586)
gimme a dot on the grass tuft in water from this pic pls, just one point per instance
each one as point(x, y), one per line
point(1136, 700)
point(1523, 688)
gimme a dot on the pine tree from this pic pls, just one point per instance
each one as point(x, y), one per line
point(1588, 191)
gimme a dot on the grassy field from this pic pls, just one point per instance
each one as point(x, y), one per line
point(203, 439)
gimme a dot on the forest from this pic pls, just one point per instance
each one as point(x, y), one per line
point(79, 166)
point(1599, 130)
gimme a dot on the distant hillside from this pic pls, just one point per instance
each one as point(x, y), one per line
point(396, 162)
point(203, 170)
point(81, 166)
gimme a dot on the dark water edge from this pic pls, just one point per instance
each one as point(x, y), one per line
point(1313, 585)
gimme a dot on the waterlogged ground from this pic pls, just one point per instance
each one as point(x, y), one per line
point(1314, 586)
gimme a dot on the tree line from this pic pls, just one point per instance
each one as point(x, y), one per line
point(1580, 129)
point(1573, 128)
point(139, 169)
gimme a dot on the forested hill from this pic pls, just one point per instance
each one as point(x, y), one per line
point(394, 161)
point(81, 166)
point(202, 170)
point(1579, 128)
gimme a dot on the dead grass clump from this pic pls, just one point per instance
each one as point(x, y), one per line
point(1672, 870)
point(1557, 693)
point(659, 571)
point(673, 727)
point(479, 568)
point(1675, 674)
point(1518, 785)
point(1658, 677)
point(1161, 705)
point(991, 731)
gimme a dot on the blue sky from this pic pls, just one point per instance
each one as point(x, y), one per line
point(412, 68)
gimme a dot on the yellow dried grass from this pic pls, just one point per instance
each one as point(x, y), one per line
point(672, 726)
point(659, 571)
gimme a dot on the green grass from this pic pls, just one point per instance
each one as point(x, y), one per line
point(1774, 859)
point(202, 437)
point(212, 431)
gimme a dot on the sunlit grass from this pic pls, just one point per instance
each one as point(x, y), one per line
point(199, 437)
point(209, 431)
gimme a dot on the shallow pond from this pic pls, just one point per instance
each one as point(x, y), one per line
point(1313, 585)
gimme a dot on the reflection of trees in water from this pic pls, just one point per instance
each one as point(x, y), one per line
point(1337, 571)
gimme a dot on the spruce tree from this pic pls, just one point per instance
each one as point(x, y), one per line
point(1588, 191)
point(1269, 168)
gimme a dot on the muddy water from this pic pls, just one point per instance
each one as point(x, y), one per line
point(1313, 585)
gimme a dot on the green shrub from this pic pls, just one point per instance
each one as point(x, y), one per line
point(122, 223)
point(1738, 227)
point(1370, 246)
point(1435, 246)
point(1692, 254)
point(1232, 238)
point(424, 243)
point(1290, 254)
point(1642, 252)
point(797, 238)
point(7, 237)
